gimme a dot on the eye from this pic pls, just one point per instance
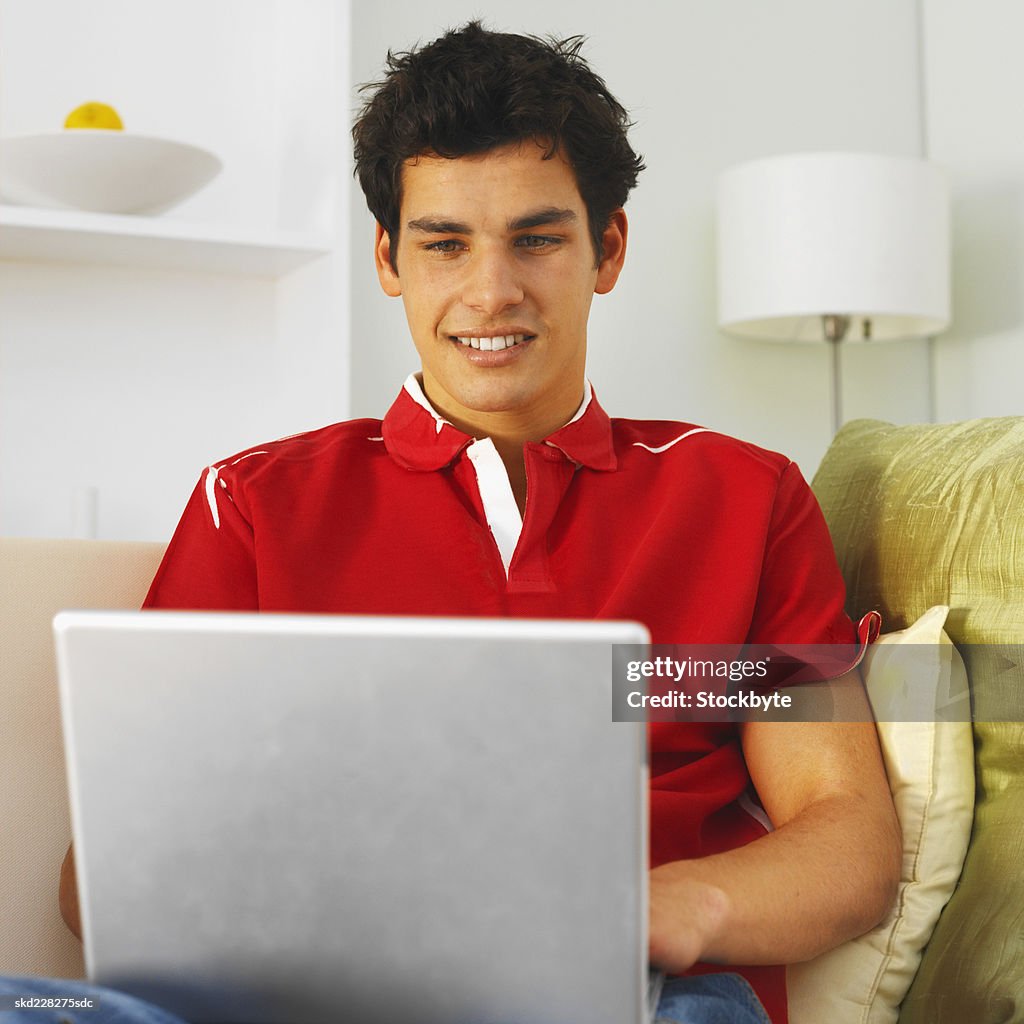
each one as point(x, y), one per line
point(536, 241)
point(446, 245)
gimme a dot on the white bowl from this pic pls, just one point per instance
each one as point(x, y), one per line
point(102, 170)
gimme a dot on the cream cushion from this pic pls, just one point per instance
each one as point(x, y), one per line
point(930, 765)
point(37, 579)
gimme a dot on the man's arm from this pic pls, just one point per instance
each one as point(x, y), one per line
point(68, 897)
point(827, 873)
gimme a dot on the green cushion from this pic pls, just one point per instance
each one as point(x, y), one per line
point(928, 515)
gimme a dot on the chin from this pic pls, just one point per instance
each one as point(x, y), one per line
point(493, 398)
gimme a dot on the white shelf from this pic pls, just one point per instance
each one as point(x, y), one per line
point(33, 235)
point(237, 327)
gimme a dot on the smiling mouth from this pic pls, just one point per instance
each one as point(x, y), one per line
point(495, 344)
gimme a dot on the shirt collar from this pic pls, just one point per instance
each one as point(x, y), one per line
point(587, 438)
point(417, 437)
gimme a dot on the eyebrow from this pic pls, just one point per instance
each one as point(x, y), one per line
point(440, 226)
point(437, 226)
point(549, 215)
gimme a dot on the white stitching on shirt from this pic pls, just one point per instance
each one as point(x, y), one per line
point(665, 447)
point(248, 456)
point(211, 485)
point(211, 494)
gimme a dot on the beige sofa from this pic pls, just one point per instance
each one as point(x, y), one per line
point(921, 516)
point(37, 579)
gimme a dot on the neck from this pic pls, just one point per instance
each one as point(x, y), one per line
point(510, 431)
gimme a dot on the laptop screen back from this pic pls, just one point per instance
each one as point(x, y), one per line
point(297, 818)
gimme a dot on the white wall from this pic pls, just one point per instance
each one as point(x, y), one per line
point(130, 381)
point(709, 84)
point(975, 95)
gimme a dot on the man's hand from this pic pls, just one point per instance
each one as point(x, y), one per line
point(827, 873)
point(685, 917)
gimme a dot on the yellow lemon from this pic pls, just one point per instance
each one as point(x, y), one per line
point(94, 115)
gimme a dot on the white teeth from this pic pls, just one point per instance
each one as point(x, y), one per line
point(492, 344)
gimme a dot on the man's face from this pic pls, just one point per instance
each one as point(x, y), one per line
point(496, 269)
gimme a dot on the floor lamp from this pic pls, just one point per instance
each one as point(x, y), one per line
point(833, 247)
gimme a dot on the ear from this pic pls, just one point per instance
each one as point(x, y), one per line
point(613, 252)
point(386, 274)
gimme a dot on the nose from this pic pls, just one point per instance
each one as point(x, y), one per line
point(492, 282)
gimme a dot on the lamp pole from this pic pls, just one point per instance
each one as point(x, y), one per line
point(835, 328)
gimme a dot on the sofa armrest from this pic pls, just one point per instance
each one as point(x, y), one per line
point(37, 579)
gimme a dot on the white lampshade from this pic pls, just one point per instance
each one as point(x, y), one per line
point(847, 234)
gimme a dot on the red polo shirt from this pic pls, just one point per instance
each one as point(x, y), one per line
point(703, 538)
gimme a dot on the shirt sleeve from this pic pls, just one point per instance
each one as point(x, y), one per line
point(801, 595)
point(210, 563)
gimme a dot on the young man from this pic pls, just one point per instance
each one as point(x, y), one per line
point(497, 167)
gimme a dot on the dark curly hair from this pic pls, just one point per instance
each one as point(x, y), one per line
point(472, 90)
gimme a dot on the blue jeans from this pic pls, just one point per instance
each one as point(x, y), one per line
point(709, 999)
point(111, 1007)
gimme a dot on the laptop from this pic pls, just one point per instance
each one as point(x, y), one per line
point(282, 819)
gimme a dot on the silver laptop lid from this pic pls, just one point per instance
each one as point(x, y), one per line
point(295, 818)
